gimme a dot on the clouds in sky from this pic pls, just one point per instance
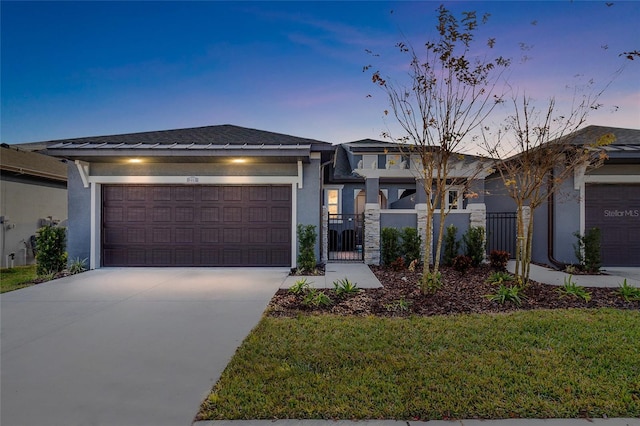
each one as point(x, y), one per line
point(72, 69)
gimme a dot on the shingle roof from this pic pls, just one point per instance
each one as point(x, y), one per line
point(20, 162)
point(225, 134)
point(589, 134)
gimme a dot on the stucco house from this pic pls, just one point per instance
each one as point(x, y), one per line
point(231, 196)
point(207, 196)
point(33, 190)
point(607, 197)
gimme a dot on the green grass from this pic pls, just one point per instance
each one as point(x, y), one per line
point(15, 278)
point(540, 364)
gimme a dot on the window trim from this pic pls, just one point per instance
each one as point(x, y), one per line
point(328, 188)
point(460, 198)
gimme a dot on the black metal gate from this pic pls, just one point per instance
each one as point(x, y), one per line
point(501, 232)
point(345, 235)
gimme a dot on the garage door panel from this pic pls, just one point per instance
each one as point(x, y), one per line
point(280, 194)
point(136, 214)
point(280, 235)
point(280, 214)
point(210, 193)
point(258, 214)
point(615, 209)
point(232, 193)
point(258, 235)
point(209, 214)
point(258, 193)
point(199, 225)
point(232, 214)
point(209, 235)
point(135, 193)
point(136, 256)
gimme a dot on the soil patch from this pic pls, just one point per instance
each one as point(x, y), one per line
point(401, 296)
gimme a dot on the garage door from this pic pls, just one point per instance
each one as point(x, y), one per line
point(615, 209)
point(196, 225)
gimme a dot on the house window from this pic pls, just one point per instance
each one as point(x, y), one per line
point(453, 200)
point(333, 199)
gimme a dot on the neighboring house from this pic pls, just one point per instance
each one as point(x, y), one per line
point(207, 196)
point(607, 197)
point(33, 190)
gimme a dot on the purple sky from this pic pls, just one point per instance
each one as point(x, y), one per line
point(74, 69)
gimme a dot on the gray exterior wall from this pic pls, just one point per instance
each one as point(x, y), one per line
point(398, 220)
point(495, 196)
point(566, 218)
point(79, 198)
point(194, 169)
point(79, 231)
point(24, 202)
point(309, 202)
point(567, 221)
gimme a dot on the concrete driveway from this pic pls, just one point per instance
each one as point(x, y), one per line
point(125, 346)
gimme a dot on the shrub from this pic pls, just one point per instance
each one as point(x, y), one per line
point(587, 250)
point(498, 259)
point(77, 266)
point(307, 237)
point(431, 282)
point(451, 245)
point(461, 263)
point(627, 292)
point(570, 288)
point(411, 242)
point(51, 244)
point(345, 287)
point(507, 294)
point(400, 305)
point(474, 245)
point(500, 277)
point(390, 248)
point(299, 286)
point(316, 298)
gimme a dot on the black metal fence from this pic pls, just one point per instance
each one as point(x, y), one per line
point(345, 235)
point(501, 232)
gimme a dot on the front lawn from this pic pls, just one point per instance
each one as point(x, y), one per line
point(563, 363)
point(16, 278)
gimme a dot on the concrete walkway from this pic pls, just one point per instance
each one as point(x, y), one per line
point(358, 273)
point(125, 346)
point(611, 277)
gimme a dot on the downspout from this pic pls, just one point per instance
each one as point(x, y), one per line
point(551, 224)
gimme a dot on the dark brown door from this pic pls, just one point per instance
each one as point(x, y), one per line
point(615, 209)
point(196, 225)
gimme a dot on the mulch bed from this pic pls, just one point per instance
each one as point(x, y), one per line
point(401, 297)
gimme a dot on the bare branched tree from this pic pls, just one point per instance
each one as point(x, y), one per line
point(452, 88)
point(537, 149)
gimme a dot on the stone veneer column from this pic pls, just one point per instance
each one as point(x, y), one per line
point(478, 218)
point(324, 238)
point(372, 234)
point(421, 212)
